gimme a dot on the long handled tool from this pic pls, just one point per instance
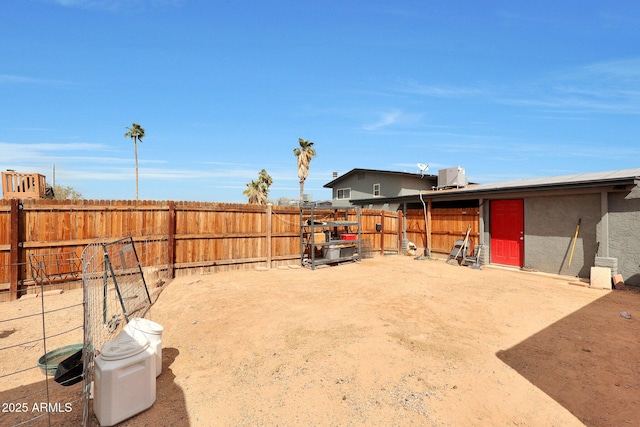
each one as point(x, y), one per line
point(462, 247)
point(575, 238)
point(476, 264)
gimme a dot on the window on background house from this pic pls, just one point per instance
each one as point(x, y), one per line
point(343, 193)
point(376, 190)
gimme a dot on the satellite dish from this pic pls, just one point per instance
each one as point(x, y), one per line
point(423, 168)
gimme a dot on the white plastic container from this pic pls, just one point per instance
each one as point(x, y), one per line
point(124, 379)
point(151, 331)
point(331, 252)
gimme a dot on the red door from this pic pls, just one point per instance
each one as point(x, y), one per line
point(507, 232)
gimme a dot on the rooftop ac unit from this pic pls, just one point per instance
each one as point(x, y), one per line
point(452, 177)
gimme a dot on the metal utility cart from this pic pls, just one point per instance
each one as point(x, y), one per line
point(338, 240)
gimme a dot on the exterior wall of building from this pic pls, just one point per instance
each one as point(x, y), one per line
point(337, 203)
point(361, 186)
point(484, 234)
point(391, 185)
point(410, 186)
point(624, 233)
point(550, 225)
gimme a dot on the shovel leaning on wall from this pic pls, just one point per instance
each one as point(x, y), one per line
point(575, 238)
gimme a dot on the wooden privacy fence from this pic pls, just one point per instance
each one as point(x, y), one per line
point(177, 236)
point(181, 236)
point(446, 225)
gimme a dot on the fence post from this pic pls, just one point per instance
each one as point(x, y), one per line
point(268, 234)
point(428, 227)
point(382, 232)
point(171, 240)
point(400, 228)
point(14, 250)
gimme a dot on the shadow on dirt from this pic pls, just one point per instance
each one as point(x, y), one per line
point(28, 404)
point(599, 384)
point(170, 401)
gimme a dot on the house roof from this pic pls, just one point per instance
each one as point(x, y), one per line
point(621, 177)
point(592, 179)
point(355, 171)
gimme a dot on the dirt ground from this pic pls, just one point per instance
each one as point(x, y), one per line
point(389, 341)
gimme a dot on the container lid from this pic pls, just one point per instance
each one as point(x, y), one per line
point(123, 347)
point(146, 325)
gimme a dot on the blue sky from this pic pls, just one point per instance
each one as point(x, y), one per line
point(506, 89)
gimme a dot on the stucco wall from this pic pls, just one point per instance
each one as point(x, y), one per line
point(550, 224)
point(360, 188)
point(624, 234)
point(361, 185)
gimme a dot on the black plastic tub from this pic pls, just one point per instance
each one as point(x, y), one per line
point(69, 371)
point(48, 363)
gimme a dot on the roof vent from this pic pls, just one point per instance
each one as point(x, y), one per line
point(452, 178)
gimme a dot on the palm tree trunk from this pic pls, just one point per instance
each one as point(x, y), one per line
point(301, 192)
point(135, 152)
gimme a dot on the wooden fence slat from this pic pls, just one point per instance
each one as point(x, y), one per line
point(14, 256)
point(269, 229)
point(171, 241)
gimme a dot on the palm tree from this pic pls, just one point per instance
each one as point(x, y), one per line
point(265, 182)
point(305, 153)
point(254, 192)
point(136, 132)
point(258, 191)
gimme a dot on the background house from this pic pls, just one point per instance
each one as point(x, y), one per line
point(378, 186)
